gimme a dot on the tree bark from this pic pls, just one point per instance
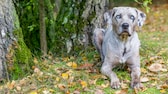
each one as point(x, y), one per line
point(12, 47)
point(78, 17)
point(43, 41)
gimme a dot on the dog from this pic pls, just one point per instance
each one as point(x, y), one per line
point(119, 44)
point(99, 33)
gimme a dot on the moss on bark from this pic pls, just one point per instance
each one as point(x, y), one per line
point(19, 57)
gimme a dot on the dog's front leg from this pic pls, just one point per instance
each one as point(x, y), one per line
point(135, 73)
point(135, 78)
point(106, 69)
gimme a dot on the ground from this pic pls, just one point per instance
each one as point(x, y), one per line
point(81, 75)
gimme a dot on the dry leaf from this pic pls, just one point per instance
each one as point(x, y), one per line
point(46, 92)
point(65, 75)
point(144, 79)
point(123, 91)
point(18, 88)
point(83, 83)
point(164, 86)
point(11, 85)
point(99, 92)
point(104, 85)
point(156, 67)
point(163, 91)
point(84, 58)
point(143, 70)
point(76, 92)
point(33, 92)
point(35, 61)
point(65, 59)
point(164, 70)
point(61, 86)
point(72, 64)
point(57, 79)
point(85, 66)
point(124, 86)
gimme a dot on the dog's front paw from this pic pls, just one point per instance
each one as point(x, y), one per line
point(136, 85)
point(115, 83)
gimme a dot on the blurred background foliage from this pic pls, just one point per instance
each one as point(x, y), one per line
point(62, 18)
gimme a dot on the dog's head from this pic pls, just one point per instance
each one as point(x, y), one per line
point(125, 20)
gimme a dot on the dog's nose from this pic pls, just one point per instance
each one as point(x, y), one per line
point(125, 25)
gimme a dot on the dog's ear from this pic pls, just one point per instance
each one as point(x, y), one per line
point(141, 18)
point(112, 12)
point(107, 18)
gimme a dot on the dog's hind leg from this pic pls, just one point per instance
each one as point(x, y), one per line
point(98, 35)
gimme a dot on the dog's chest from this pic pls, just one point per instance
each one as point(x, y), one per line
point(124, 52)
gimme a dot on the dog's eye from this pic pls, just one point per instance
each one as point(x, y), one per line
point(132, 17)
point(118, 17)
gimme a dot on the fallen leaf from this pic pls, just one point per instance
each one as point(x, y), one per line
point(124, 86)
point(33, 92)
point(123, 91)
point(65, 75)
point(144, 79)
point(72, 64)
point(57, 79)
point(84, 58)
point(163, 91)
point(65, 59)
point(164, 70)
point(164, 86)
point(104, 85)
point(76, 92)
point(35, 61)
point(11, 85)
point(61, 86)
point(83, 83)
point(18, 88)
point(85, 66)
point(46, 92)
point(98, 92)
point(143, 70)
point(156, 67)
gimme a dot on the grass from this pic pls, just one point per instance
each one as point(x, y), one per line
point(48, 73)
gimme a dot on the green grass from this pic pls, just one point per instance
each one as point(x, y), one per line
point(51, 79)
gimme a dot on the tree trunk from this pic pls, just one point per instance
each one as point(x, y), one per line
point(43, 41)
point(78, 17)
point(12, 47)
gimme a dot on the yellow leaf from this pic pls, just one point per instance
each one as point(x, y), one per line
point(33, 92)
point(66, 59)
point(84, 59)
point(51, 90)
point(72, 64)
point(83, 83)
point(35, 61)
point(143, 70)
point(57, 79)
point(163, 91)
point(65, 75)
point(69, 64)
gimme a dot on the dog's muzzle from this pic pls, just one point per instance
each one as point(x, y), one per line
point(125, 30)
